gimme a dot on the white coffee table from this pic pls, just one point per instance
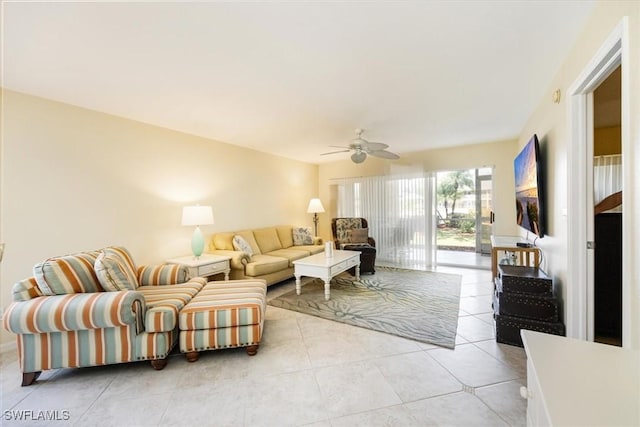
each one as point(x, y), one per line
point(325, 268)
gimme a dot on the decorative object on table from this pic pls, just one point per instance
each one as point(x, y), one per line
point(197, 215)
point(418, 305)
point(361, 147)
point(315, 207)
point(346, 230)
point(328, 249)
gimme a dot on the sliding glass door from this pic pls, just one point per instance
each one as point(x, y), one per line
point(484, 210)
point(465, 217)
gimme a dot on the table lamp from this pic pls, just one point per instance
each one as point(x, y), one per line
point(197, 215)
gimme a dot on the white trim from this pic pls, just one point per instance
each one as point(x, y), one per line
point(576, 232)
point(613, 52)
point(590, 235)
point(627, 183)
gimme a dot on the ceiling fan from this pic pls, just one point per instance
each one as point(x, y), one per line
point(361, 147)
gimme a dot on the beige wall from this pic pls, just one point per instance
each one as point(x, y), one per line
point(75, 179)
point(500, 155)
point(550, 122)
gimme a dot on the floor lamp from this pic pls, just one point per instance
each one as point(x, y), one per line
point(315, 207)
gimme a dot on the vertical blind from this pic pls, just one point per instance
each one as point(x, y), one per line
point(400, 213)
point(607, 176)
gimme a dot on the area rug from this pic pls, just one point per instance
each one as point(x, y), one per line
point(419, 305)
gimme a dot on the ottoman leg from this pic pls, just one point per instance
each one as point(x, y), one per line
point(192, 356)
point(252, 350)
point(158, 364)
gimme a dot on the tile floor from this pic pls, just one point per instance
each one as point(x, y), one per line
point(308, 372)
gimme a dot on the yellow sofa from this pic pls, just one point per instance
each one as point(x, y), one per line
point(273, 252)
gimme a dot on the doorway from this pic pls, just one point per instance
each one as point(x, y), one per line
point(580, 240)
point(607, 222)
point(464, 217)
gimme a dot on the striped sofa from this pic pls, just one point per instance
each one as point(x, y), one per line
point(97, 308)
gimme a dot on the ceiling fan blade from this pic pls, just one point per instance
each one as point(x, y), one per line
point(335, 152)
point(374, 146)
point(339, 146)
point(384, 154)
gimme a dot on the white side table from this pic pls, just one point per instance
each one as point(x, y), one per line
point(205, 265)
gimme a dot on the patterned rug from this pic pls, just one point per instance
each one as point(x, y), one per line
point(419, 305)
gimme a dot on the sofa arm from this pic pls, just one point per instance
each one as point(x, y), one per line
point(162, 274)
point(238, 258)
point(74, 312)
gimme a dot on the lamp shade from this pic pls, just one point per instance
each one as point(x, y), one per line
point(197, 215)
point(315, 206)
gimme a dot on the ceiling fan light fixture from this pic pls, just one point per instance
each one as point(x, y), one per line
point(359, 156)
point(361, 148)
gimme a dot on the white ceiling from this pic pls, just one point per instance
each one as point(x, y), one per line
point(292, 78)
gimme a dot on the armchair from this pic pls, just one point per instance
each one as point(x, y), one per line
point(352, 234)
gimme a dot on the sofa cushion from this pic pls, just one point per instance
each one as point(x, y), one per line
point(223, 241)
point(240, 244)
point(291, 254)
point(114, 271)
point(68, 274)
point(285, 234)
point(265, 264)
point(267, 239)
point(225, 305)
point(302, 236)
point(312, 249)
point(248, 236)
point(165, 302)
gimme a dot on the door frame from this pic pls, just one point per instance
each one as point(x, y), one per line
point(486, 249)
point(614, 52)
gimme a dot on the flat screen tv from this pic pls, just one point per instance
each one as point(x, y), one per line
point(529, 188)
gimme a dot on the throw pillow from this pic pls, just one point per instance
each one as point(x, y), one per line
point(302, 236)
point(240, 244)
point(114, 272)
point(69, 274)
point(360, 235)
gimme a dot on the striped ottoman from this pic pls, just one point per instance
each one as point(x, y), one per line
point(224, 315)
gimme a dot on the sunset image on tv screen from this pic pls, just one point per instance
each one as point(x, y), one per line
point(527, 202)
